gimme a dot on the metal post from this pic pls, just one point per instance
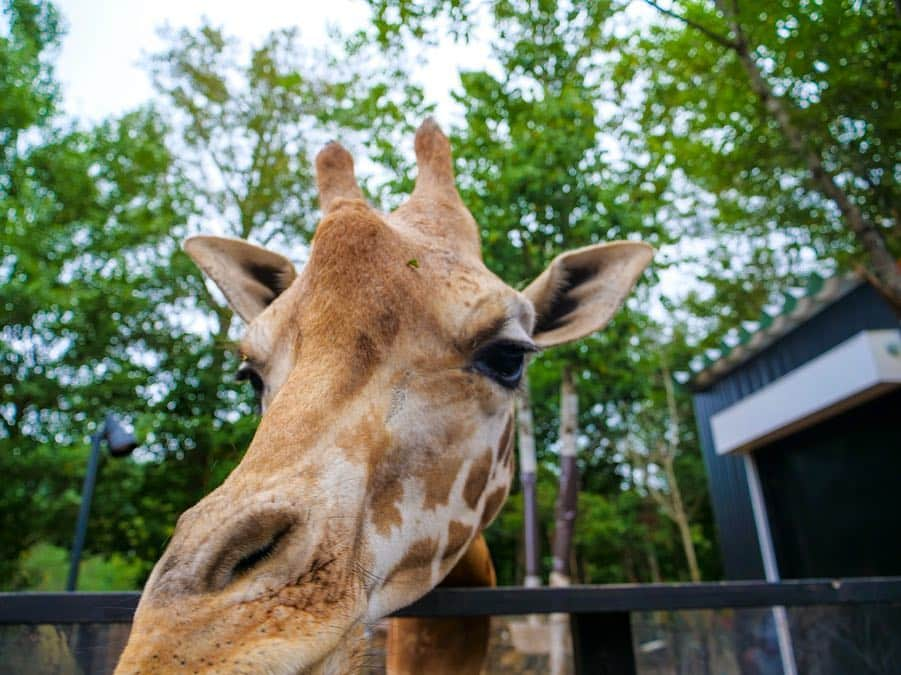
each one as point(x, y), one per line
point(87, 493)
point(602, 643)
point(770, 564)
point(530, 530)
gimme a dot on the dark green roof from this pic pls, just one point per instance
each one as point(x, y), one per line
point(792, 308)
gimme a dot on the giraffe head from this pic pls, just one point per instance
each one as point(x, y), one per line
point(386, 369)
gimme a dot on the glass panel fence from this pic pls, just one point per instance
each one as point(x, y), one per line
point(833, 640)
point(68, 649)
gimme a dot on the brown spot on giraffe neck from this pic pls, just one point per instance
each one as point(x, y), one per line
point(439, 482)
point(387, 493)
point(478, 478)
point(493, 505)
point(506, 445)
point(368, 441)
point(417, 561)
point(458, 535)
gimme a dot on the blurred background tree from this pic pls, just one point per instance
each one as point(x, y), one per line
point(102, 311)
point(712, 132)
point(88, 214)
point(770, 132)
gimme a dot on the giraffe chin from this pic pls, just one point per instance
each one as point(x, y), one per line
point(280, 633)
point(347, 654)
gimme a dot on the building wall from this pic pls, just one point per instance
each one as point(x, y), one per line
point(861, 309)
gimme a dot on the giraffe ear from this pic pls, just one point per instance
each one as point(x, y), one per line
point(581, 290)
point(249, 276)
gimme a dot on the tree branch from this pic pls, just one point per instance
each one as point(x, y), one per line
point(232, 192)
point(885, 270)
point(713, 35)
point(660, 498)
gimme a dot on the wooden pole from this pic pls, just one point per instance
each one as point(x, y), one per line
point(528, 465)
point(567, 500)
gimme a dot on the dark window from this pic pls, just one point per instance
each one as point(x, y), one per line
point(832, 494)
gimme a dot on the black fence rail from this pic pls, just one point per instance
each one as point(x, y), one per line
point(600, 615)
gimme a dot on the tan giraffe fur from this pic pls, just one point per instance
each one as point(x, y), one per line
point(385, 446)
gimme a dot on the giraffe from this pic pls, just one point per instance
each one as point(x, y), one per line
point(386, 370)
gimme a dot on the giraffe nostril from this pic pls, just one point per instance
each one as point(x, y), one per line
point(260, 555)
point(247, 547)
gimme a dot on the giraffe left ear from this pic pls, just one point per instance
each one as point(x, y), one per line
point(581, 290)
point(249, 276)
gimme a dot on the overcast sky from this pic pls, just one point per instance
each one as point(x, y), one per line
point(99, 65)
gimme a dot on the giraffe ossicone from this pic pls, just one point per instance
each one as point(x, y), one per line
point(385, 444)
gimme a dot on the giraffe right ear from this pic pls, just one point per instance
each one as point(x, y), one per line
point(581, 290)
point(249, 276)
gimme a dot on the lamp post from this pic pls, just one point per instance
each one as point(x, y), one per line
point(121, 443)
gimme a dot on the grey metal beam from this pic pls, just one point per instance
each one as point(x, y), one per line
point(119, 607)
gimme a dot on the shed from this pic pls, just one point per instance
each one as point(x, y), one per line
point(799, 416)
point(799, 419)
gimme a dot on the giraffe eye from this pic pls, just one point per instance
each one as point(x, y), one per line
point(503, 362)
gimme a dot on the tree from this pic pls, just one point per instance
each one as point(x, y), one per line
point(248, 131)
point(567, 502)
point(528, 467)
point(767, 133)
point(652, 450)
point(87, 216)
point(26, 74)
point(779, 122)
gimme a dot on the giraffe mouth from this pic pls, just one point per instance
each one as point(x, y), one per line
point(350, 657)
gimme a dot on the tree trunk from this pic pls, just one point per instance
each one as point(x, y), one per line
point(653, 563)
point(567, 496)
point(682, 522)
point(567, 500)
point(679, 513)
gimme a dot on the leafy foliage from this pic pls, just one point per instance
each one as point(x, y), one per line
point(585, 127)
point(46, 567)
point(726, 174)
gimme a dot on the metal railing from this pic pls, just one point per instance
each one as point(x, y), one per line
point(600, 615)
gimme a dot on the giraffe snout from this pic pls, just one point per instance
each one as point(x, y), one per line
point(256, 548)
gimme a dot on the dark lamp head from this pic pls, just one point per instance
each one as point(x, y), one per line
point(121, 442)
